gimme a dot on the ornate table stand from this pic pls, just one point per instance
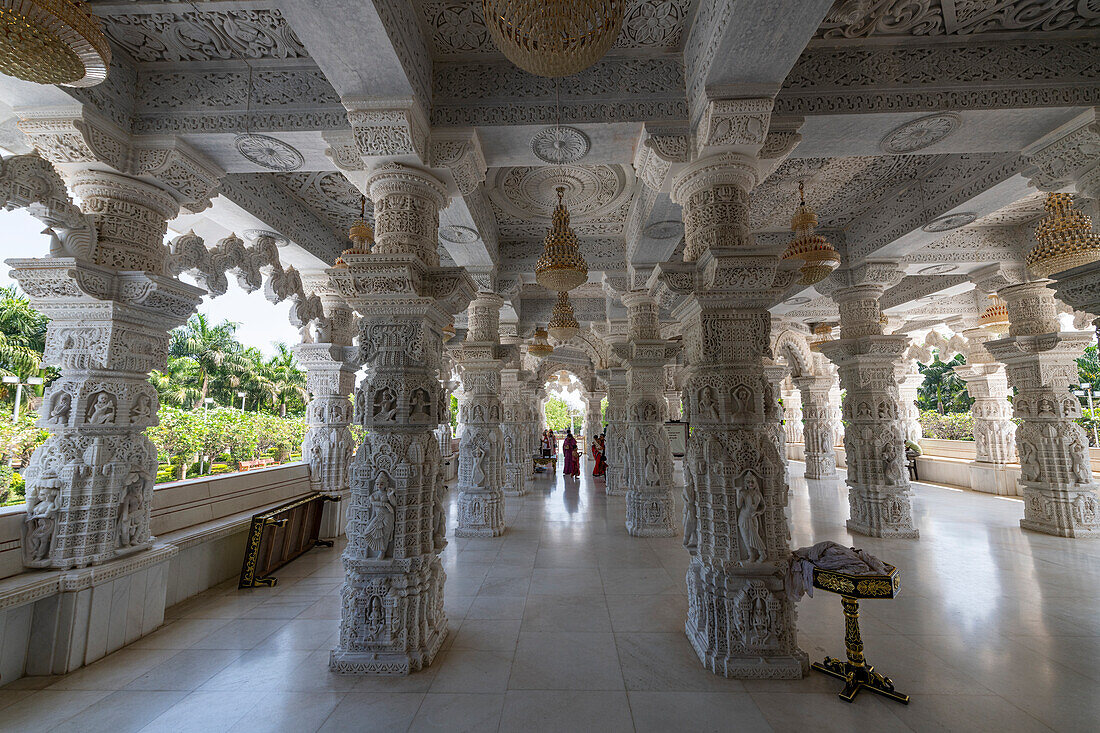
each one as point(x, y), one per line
point(856, 673)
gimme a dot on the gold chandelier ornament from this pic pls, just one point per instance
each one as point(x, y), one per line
point(539, 346)
point(449, 331)
point(554, 37)
point(820, 333)
point(819, 257)
point(563, 324)
point(52, 42)
point(361, 235)
point(995, 317)
point(1065, 238)
point(561, 266)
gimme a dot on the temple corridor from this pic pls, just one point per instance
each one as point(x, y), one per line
point(567, 623)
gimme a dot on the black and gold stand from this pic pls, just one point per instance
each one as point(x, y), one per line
point(855, 672)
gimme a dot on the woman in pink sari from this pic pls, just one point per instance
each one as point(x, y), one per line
point(572, 456)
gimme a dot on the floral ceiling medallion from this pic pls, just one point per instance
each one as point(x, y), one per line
point(947, 222)
point(251, 235)
point(941, 269)
point(560, 145)
point(457, 234)
point(920, 133)
point(268, 152)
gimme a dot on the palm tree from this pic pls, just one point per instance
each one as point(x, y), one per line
point(176, 384)
point(1088, 368)
point(288, 381)
point(214, 349)
point(22, 334)
point(942, 389)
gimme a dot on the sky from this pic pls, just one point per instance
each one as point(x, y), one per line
point(261, 323)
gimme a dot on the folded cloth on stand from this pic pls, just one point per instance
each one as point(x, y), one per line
point(828, 555)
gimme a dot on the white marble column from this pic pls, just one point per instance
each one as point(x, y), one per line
point(515, 433)
point(391, 618)
point(1060, 494)
point(776, 374)
point(818, 426)
point(741, 618)
point(792, 415)
point(593, 423)
point(909, 382)
point(90, 485)
point(481, 448)
point(649, 483)
point(615, 438)
point(994, 430)
point(874, 443)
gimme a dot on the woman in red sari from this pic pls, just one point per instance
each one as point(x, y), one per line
point(599, 459)
point(572, 456)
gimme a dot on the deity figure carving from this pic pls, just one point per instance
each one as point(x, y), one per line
point(379, 530)
point(60, 407)
point(750, 510)
point(652, 469)
point(142, 409)
point(130, 507)
point(707, 403)
point(102, 409)
point(385, 405)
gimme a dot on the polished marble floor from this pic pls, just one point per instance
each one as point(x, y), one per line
point(566, 623)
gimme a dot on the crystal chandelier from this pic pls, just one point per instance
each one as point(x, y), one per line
point(561, 266)
point(449, 331)
point(818, 256)
point(563, 324)
point(820, 334)
point(52, 42)
point(553, 37)
point(1065, 238)
point(995, 317)
point(539, 346)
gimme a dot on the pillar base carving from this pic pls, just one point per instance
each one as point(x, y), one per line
point(650, 514)
point(480, 514)
point(741, 621)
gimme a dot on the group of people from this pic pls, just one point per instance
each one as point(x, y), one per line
point(572, 453)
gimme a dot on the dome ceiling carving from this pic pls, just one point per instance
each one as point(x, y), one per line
point(592, 192)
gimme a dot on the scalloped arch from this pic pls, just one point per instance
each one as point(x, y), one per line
point(795, 348)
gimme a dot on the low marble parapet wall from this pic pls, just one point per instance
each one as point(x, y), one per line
point(52, 622)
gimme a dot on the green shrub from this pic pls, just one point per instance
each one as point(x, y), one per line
point(952, 426)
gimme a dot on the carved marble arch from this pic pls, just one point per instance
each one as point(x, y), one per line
point(30, 182)
point(593, 347)
point(795, 348)
point(585, 373)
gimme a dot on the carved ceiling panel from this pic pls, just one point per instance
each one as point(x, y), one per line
point(456, 28)
point(524, 197)
point(330, 195)
point(183, 34)
point(866, 18)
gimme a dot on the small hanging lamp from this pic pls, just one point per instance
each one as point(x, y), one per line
point(539, 346)
point(561, 266)
point(995, 317)
point(821, 333)
point(818, 256)
point(361, 235)
point(563, 324)
point(1065, 238)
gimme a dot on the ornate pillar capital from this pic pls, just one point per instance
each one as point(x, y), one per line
point(407, 201)
point(1068, 156)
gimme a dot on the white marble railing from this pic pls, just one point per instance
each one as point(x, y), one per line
point(52, 621)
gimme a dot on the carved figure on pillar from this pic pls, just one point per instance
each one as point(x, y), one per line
point(481, 448)
point(649, 484)
point(615, 434)
point(515, 433)
point(1060, 495)
point(817, 426)
point(874, 441)
point(392, 619)
point(741, 618)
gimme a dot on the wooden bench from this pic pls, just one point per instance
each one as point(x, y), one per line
point(258, 463)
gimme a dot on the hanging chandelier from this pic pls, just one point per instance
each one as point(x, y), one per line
point(553, 37)
point(449, 331)
point(52, 42)
point(539, 346)
point(563, 324)
point(820, 333)
point(995, 317)
point(1065, 238)
point(361, 235)
point(561, 266)
point(819, 258)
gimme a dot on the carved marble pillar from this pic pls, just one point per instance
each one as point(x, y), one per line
point(817, 426)
point(328, 446)
point(615, 435)
point(392, 619)
point(835, 400)
point(874, 443)
point(481, 449)
point(649, 484)
point(672, 403)
point(532, 397)
point(909, 381)
point(673, 389)
point(515, 433)
point(792, 416)
point(593, 423)
point(994, 431)
point(1059, 490)
point(90, 485)
point(741, 619)
point(775, 374)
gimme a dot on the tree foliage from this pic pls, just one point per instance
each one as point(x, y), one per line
point(558, 414)
point(942, 389)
